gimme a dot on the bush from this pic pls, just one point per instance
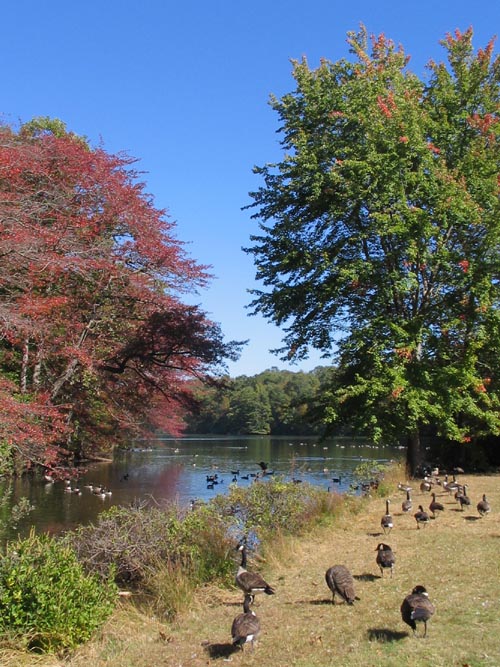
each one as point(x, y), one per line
point(265, 508)
point(162, 554)
point(47, 601)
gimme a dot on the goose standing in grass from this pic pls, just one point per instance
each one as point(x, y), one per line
point(246, 626)
point(406, 505)
point(250, 582)
point(385, 558)
point(421, 517)
point(453, 486)
point(386, 521)
point(404, 487)
point(340, 581)
point(425, 485)
point(435, 506)
point(463, 498)
point(483, 506)
point(417, 608)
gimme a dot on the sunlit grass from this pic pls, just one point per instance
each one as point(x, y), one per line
point(455, 557)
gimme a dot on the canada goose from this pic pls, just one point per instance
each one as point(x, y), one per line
point(264, 466)
point(406, 505)
point(246, 627)
point(386, 520)
point(417, 608)
point(250, 582)
point(421, 517)
point(483, 506)
point(339, 580)
point(425, 485)
point(404, 487)
point(463, 498)
point(452, 486)
point(435, 506)
point(385, 558)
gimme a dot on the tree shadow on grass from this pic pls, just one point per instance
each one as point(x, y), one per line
point(385, 635)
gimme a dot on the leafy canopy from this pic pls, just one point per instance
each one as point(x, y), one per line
point(380, 235)
point(96, 343)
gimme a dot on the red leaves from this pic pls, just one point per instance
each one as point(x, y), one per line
point(86, 262)
point(464, 265)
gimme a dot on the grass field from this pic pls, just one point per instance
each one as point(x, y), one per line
point(456, 557)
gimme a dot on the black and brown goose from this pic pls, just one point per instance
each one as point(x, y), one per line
point(421, 517)
point(417, 608)
point(246, 626)
point(425, 485)
point(385, 558)
point(250, 583)
point(463, 498)
point(483, 506)
point(386, 521)
point(406, 505)
point(435, 506)
point(341, 582)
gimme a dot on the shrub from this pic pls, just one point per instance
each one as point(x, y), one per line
point(162, 553)
point(275, 505)
point(47, 601)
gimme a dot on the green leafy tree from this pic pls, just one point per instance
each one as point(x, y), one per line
point(380, 237)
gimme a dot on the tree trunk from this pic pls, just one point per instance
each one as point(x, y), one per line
point(37, 370)
point(413, 453)
point(72, 365)
point(24, 366)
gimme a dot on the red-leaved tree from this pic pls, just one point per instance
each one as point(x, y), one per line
point(96, 344)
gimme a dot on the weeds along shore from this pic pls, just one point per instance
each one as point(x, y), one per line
point(455, 557)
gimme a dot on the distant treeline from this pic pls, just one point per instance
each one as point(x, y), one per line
point(273, 402)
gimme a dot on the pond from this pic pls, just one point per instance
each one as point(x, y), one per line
point(176, 470)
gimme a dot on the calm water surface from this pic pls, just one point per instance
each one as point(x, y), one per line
point(177, 470)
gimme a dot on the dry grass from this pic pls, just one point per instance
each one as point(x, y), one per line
point(455, 557)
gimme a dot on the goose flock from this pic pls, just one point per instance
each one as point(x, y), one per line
point(416, 608)
point(71, 487)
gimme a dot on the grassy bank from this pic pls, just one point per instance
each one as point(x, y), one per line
point(455, 557)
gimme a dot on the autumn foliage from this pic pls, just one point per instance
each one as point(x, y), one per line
point(96, 344)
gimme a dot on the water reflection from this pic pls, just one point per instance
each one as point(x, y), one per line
point(177, 470)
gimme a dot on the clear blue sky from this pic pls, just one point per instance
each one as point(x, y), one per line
point(184, 87)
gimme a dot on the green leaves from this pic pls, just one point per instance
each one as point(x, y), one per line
point(381, 232)
point(46, 599)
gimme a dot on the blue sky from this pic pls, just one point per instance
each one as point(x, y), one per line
point(184, 87)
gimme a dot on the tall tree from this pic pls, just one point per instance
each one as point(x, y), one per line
point(380, 236)
point(94, 335)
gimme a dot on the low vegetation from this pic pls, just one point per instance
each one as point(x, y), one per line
point(454, 557)
point(47, 602)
